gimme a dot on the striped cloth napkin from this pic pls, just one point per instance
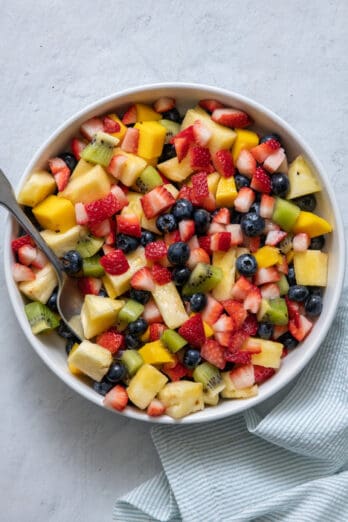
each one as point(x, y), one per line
point(288, 462)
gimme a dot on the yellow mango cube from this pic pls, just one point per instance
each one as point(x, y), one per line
point(213, 181)
point(123, 129)
point(226, 192)
point(156, 353)
point(245, 139)
point(146, 113)
point(311, 268)
point(311, 224)
point(151, 138)
point(55, 213)
point(38, 186)
point(267, 256)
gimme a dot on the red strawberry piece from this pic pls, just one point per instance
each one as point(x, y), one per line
point(210, 105)
point(107, 249)
point(223, 338)
point(111, 340)
point(100, 229)
point(121, 197)
point(300, 328)
point(130, 140)
point(223, 163)
point(279, 330)
point(156, 250)
point(128, 224)
point(262, 374)
point(197, 255)
point(77, 147)
point(212, 310)
point(270, 291)
point(143, 279)
point(20, 241)
point(22, 273)
point(238, 357)
point(244, 200)
point(252, 243)
point(161, 274)
point(233, 118)
point(182, 146)
point(130, 116)
point(241, 289)
point(192, 330)
point(156, 201)
point(110, 238)
point(267, 206)
point(237, 340)
point(246, 163)
point(251, 345)
point(301, 242)
point(209, 203)
point(115, 263)
point(201, 133)
point(164, 104)
point(26, 254)
point(213, 352)
point(200, 186)
point(274, 237)
point(40, 260)
point(224, 324)
point(220, 242)
point(110, 125)
point(185, 133)
point(172, 237)
point(266, 275)
point(236, 310)
point(283, 267)
point(156, 408)
point(273, 162)
point(56, 164)
point(293, 308)
point(116, 398)
point(151, 313)
point(222, 216)
point(156, 331)
point(101, 209)
point(261, 182)
point(116, 165)
point(200, 158)
point(186, 229)
point(237, 237)
point(175, 373)
point(204, 242)
point(250, 325)
point(243, 376)
point(185, 193)
point(90, 127)
point(89, 285)
point(62, 178)
point(193, 243)
point(252, 301)
point(270, 226)
point(81, 214)
point(260, 152)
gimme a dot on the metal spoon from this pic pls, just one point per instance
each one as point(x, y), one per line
point(69, 298)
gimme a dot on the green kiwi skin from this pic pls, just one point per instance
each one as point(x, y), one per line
point(203, 278)
point(40, 317)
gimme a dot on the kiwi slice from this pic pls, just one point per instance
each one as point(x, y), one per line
point(40, 317)
point(148, 180)
point(91, 267)
point(283, 285)
point(130, 311)
point(89, 245)
point(286, 244)
point(100, 149)
point(203, 278)
point(209, 376)
point(132, 361)
point(173, 341)
point(171, 127)
point(285, 214)
point(273, 311)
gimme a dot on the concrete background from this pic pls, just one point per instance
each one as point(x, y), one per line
point(61, 457)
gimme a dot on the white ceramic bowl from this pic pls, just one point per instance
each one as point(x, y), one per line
point(51, 349)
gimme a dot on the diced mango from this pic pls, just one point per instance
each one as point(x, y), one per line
point(55, 213)
point(38, 186)
point(290, 256)
point(146, 113)
point(208, 331)
point(213, 180)
point(123, 129)
point(311, 224)
point(226, 192)
point(89, 186)
point(156, 353)
point(267, 256)
point(245, 139)
point(311, 268)
point(270, 354)
point(151, 138)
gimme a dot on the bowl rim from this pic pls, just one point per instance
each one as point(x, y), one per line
point(214, 412)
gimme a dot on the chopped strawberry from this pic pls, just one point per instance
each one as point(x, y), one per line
point(301, 242)
point(156, 250)
point(279, 330)
point(107, 249)
point(101, 209)
point(22, 273)
point(185, 193)
point(246, 163)
point(209, 203)
point(244, 200)
point(212, 310)
point(61, 178)
point(110, 125)
point(110, 238)
point(131, 140)
point(143, 279)
point(116, 165)
point(273, 162)
point(100, 229)
point(156, 201)
point(222, 216)
point(236, 310)
point(252, 301)
point(270, 226)
point(90, 127)
point(192, 330)
point(250, 325)
point(26, 254)
point(233, 118)
point(130, 116)
point(266, 275)
point(115, 263)
point(201, 133)
point(111, 340)
point(182, 146)
point(77, 147)
point(116, 398)
point(214, 228)
point(243, 376)
point(260, 152)
point(156, 408)
point(128, 224)
point(164, 104)
point(261, 182)
point(237, 237)
point(186, 229)
point(220, 242)
point(156, 331)
point(175, 373)
point(200, 158)
point(223, 338)
point(274, 237)
point(267, 206)
point(300, 328)
point(161, 274)
point(40, 260)
point(56, 164)
point(204, 242)
point(121, 197)
point(213, 352)
point(262, 374)
point(270, 291)
point(241, 289)
point(251, 345)
point(20, 241)
point(197, 255)
point(151, 313)
point(210, 105)
point(225, 323)
point(172, 237)
point(293, 308)
point(193, 243)
point(283, 267)
point(81, 214)
point(237, 340)
point(200, 186)
point(89, 285)
point(238, 357)
point(223, 163)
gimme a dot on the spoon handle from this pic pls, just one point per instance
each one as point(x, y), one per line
point(8, 200)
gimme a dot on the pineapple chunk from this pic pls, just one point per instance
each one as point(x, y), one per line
point(267, 256)
point(210, 398)
point(131, 168)
point(119, 284)
point(213, 181)
point(38, 186)
point(134, 207)
point(145, 385)
point(302, 179)
point(245, 139)
point(227, 262)
point(226, 192)
point(89, 186)
point(55, 213)
point(42, 286)
point(244, 393)
point(270, 354)
point(91, 359)
point(81, 168)
point(151, 138)
point(174, 170)
point(62, 242)
point(146, 113)
point(123, 129)
point(170, 305)
point(311, 224)
point(98, 314)
point(156, 353)
point(311, 268)
point(173, 190)
point(182, 398)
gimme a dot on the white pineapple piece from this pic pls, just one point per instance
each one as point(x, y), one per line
point(145, 385)
point(42, 286)
point(91, 359)
point(182, 398)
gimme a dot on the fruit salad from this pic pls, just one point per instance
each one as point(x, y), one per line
point(195, 244)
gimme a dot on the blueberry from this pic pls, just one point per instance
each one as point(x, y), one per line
point(314, 305)
point(280, 184)
point(307, 202)
point(252, 224)
point(127, 243)
point(147, 237)
point(72, 262)
point(288, 340)
point(298, 293)
point(142, 296)
point(317, 243)
point(52, 301)
point(255, 207)
point(197, 302)
point(182, 209)
point(132, 341)
point(102, 293)
point(268, 137)
point(202, 220)
point(241, 181)
point(291, 277)
point(235, 216)
point(116, 373)
point(178, 253)
point(180, 275)
point(137, 327)
point(172, 115)
point(265, 330)
point(102, 387)
point(168, 152)
point(166, 223)
point(69, 344)
point(69, 160)
point(246, 265)
point(191, 358)
point(64, 331)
